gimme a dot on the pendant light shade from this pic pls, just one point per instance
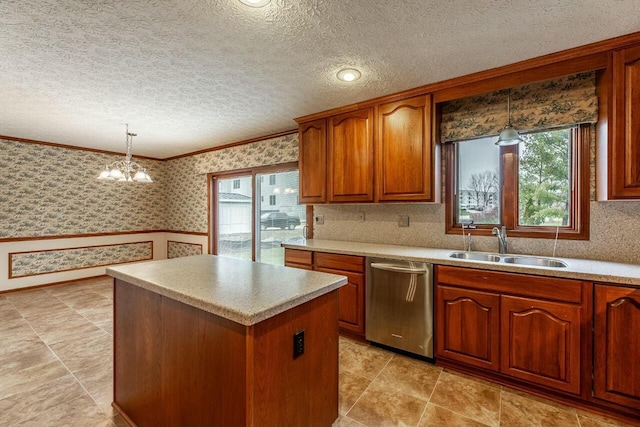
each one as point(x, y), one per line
point(127, 169)
point(508, 136)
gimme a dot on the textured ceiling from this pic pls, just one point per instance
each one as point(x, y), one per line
point(188, 75)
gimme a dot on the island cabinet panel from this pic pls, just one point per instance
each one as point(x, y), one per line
point(312, 139)
point(403, 150)
point(350, 157)
point(178, 365)
point(541, 342)
point(469, 326)
point(617, 345)
point(624, 159)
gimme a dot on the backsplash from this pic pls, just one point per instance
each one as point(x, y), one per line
point(613, 230)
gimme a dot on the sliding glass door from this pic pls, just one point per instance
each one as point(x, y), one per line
point(255, 211)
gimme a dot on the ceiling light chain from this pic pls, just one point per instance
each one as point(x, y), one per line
point(123, 170)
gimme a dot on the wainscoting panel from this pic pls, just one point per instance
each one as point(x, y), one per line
point(181, 249)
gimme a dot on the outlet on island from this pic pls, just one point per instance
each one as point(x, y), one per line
point(298, 344)
point(319, 219)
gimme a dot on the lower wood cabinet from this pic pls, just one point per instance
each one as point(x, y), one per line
point(617, 345)
point(351, 297)
point(512, 324)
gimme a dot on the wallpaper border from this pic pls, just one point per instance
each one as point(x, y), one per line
point(11, 254)
point(184, 243)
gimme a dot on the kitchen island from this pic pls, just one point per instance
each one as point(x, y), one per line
point(208, 340)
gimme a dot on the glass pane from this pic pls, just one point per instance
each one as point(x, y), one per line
point(281, 218)
point(234, 217)
point(544, 193)
point(478, 181)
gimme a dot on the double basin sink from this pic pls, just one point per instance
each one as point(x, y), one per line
point(510, 259)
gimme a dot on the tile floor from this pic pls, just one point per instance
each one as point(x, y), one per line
point(56, 369)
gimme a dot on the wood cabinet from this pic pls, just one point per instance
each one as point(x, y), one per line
point(617, 345)
point(351, 297)
point(337, 155)
point(312, 147)
point(624, 145)
point(472, 332)
point(403, 150)
point(521, 326)
point(350, 157)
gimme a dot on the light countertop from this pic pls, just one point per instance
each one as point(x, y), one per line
point(242, 291)
point(581, 269)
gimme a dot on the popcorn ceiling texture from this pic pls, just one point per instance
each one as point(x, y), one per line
point(188, 75)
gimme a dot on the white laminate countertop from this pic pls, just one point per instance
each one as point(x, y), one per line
point(242, 291)
point(582, 269)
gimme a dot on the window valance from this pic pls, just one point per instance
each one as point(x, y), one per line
point(552, 103)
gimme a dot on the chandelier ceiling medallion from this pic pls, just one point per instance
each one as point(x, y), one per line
point(127, 169)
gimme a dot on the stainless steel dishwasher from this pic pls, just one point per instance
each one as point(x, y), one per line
point(400, 305)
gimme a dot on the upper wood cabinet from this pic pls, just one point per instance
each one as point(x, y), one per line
point(350, 157)
point(404, 150)
point(624, 155)
point(312, 145)
point(617, 345)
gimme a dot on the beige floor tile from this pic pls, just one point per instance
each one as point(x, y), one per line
point(22, 406)
point(101, 312)
point(93, 350)
point(553, 403)
point(19, 381)
point(366, 361)
point(590, 419)
point(472, 378)
point(351, 388)
point(468, 397)
point(35, 303)
point(518, 410)
point(410, 376)
point(106, 325)
point(79, 412)
point(8, 313)
point(380, 406)
point(343, 421)
point(118, 421)
point(25, 355)
point(82, 301)
point(437, 416)
point(95, 378)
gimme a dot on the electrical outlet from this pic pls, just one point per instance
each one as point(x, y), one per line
point(403, 220)
point(319, 219)
point(360, 217)
point(298, 344)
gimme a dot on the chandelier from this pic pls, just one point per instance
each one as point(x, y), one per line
point(127, 169)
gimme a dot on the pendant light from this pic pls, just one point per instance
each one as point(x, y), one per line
point(508, 136)
point(127, 169)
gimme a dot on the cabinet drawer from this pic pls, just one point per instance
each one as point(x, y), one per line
point(552, 288)
point(340, 262)
point(296, 256)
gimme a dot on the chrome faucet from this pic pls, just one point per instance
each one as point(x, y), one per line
point(502, 238)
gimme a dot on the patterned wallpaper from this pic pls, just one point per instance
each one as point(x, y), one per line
point(182, 249)
point(186, 186)
point(52, 261)
point(48, 191)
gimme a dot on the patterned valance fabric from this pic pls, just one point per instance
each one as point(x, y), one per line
point(564, 101)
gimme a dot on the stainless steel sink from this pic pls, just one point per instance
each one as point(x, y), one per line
point(475, 256)
point(540, 262)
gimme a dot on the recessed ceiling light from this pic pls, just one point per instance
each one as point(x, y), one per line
point(255, 3)
point(348, 75)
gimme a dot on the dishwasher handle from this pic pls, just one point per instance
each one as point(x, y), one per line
point(397, 268)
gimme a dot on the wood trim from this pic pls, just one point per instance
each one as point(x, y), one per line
point(184, 243)
point(309, 222)
point(118, 409)
point(11, 254)
point(73, 147)
point(47, 285)
point(191, 233)
point(234, 144)
point(562, 61)
point(76, 236)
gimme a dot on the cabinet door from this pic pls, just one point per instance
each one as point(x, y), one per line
point(404, 151)
point(312, 139)
point(617, 345)
point(541, 342)
point(624, 159)
point(351, 157)
point(350, 301)
point(468, 326)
